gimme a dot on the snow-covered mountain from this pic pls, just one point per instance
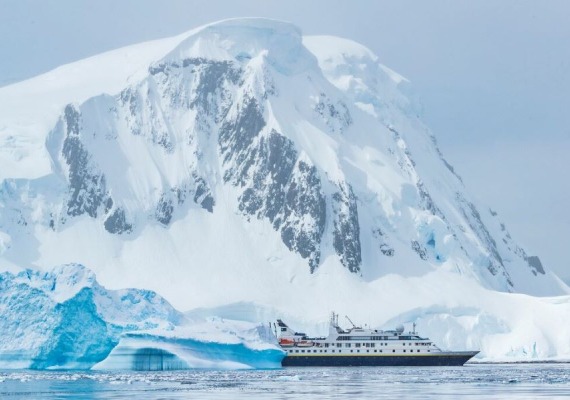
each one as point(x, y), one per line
point(243, 162)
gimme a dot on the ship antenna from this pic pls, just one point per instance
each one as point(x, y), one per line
point(414, 325)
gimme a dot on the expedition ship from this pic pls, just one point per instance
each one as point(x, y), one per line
point(364, 347)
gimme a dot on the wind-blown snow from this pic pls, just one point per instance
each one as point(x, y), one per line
point(243, 162)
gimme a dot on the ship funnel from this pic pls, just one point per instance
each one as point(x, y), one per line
point(284, 330)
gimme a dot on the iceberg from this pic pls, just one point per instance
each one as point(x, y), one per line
point(64, 319)
point(149, 352)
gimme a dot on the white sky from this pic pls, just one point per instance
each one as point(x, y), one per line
point(494, 77)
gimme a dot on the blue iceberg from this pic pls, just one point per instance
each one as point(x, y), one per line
point(147, 352)
point(64, 319)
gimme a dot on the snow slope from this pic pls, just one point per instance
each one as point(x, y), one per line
point(243, 162)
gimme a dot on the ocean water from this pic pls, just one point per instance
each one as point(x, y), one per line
point(488, 381)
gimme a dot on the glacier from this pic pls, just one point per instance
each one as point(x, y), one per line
point(63, 319)
point(242, 163)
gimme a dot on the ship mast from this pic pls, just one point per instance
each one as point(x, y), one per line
point(334, 319)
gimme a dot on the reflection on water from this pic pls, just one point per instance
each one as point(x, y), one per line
point(489, 381)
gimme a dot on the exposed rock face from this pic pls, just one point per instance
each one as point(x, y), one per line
point(236, 141)
point(418, 248)
point(117, 222)
point(336, 116)
point(534, 262)
point(164, 210)
point(383, 244)
point(346, 228)
point(304, 214)
point(87, 187)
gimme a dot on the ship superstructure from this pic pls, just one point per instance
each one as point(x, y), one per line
point(359, 346)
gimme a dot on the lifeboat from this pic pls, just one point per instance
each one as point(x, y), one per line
point(284, 342)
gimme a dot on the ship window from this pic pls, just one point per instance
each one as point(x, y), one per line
point(352, 351)
point(428, 350)
point(357, 345)
point(393, 351)
point(358, 351)
point(380, 351)
point(333, 351)
point(368, 351)
point(347, 345)
point(283, 329)
point(372, 344)
point(296, 351)
point(326, 345)
point(340, 351)
point(404, 350)
point(320, 351)
point(375, 351)
point(418, 350)
point(403, 344)
point(338, 344)
point(302, 351)
point(314, 351)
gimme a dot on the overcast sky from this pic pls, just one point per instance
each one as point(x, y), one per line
point(494, 78)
